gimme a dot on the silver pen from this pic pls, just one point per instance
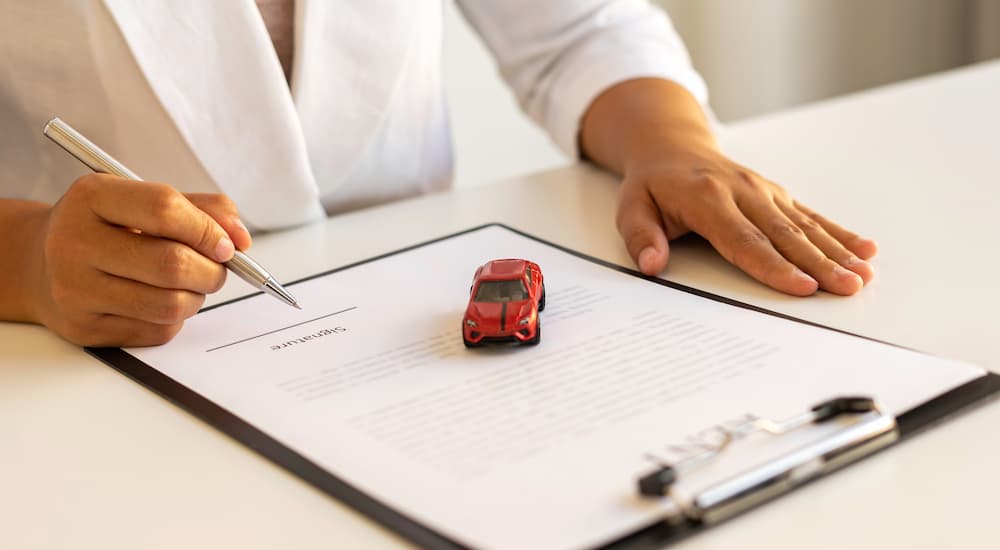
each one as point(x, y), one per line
point(93, 156)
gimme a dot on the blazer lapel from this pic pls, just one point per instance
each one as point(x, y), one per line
point(212, 66)
point(349, 55)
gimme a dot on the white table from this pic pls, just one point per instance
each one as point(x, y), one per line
point(90, 459)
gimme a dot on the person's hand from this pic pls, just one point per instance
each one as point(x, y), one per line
point(124, 263)
point(751, 221)
point(676, 180)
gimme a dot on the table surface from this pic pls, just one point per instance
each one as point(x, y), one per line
point(89, 458)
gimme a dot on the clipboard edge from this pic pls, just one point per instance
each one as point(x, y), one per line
point(916, 420)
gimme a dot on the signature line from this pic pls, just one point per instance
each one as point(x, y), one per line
point(281, 329)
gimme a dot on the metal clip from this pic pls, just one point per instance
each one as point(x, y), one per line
point(871, 429)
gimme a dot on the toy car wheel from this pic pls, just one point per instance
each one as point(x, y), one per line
point(538, 335)
point(541, 301)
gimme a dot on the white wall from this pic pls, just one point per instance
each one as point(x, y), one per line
point(762, 55)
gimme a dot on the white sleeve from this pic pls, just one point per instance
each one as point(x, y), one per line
point(559, 55)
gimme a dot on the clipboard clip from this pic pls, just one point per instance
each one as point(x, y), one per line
point(866, 428)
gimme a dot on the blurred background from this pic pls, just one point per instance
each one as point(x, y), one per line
point(757, 56)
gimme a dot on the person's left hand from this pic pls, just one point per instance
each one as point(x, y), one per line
point(676, 180)
point(754, 223)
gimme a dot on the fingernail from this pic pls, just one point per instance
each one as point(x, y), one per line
point(224, 250)
point(803, 275)
point(240, 224)
point(865, 242)
point(646, 258)
point(841, 271)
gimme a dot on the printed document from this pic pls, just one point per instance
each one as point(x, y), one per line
point(517, 446)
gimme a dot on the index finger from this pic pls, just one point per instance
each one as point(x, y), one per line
point(159, 210)
point(744, 245)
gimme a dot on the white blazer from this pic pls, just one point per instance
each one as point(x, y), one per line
point(190, 92)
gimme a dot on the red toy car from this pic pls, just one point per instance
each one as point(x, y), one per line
point(506, 296)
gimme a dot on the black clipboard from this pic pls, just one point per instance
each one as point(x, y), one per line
point(655, 535)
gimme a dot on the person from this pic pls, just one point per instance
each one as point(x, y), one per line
point(294, 113)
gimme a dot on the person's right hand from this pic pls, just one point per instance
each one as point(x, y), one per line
point(124, 263)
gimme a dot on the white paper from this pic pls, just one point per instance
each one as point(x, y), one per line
point(517, 447)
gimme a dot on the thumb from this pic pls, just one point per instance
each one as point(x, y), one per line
point(222, 209)
point(641, 226)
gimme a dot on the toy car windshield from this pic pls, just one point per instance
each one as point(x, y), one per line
point(501, 291)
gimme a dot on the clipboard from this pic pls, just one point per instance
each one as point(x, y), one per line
point(879, 430)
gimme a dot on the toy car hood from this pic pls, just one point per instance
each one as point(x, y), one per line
point(500, 313)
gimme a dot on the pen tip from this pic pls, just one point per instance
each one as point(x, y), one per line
point(297, 306)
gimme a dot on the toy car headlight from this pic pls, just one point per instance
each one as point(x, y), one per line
point(524, 321)
point(471, 323)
